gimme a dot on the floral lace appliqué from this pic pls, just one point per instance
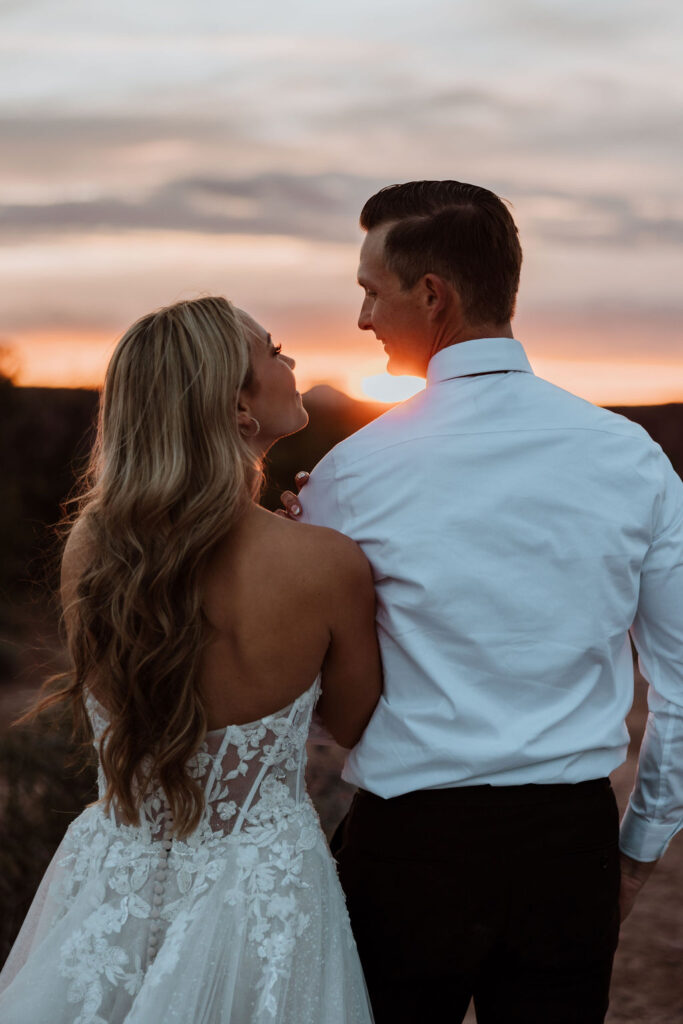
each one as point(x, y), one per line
point(147, 887)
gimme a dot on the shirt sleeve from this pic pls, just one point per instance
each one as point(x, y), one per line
point(320, 500)
point(655, 811)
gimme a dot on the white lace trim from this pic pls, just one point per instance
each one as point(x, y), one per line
point(257, 825)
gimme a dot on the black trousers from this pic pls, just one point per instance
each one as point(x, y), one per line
point(508, 895)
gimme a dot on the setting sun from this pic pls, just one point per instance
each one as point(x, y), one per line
point(382, 387)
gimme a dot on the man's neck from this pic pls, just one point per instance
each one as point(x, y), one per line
point(469, 332)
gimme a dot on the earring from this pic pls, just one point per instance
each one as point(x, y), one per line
point(256, 432)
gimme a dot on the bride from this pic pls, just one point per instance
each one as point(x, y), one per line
point(202, 631)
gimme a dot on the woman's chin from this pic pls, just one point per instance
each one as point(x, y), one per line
point(298, 421)
point(303, 418)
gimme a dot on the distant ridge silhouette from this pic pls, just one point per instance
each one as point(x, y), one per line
point(45, 434)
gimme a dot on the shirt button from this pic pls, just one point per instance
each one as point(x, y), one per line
point(155, 913)
point(158, 887)
point(157, 901)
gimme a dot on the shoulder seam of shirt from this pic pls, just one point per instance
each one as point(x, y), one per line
point(646, 439)
point(327, 466)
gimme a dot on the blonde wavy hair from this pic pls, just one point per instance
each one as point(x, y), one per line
point(169, 475)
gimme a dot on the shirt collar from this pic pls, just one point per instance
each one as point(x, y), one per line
point(480, 355)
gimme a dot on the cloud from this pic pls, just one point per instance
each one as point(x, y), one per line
point(584, 117)
point(405, 106)
point(148, 149)
point(44, 147)
point(576, 21)
point(603, 219)
point(325, 207)
point(322, 207)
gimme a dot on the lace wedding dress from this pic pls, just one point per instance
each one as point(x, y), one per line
point(242, 922)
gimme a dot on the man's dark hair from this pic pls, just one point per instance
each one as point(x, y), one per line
point(463, 233)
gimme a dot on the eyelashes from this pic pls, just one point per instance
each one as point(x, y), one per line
point(277, 349)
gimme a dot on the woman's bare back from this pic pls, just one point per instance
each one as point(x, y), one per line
point(269, 597)
point(283, 600)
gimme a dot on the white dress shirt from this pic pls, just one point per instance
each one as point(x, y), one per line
point(516, 533)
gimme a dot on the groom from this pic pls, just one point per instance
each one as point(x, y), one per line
point(516, 534)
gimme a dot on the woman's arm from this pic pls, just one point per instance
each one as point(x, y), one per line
point(352, 670)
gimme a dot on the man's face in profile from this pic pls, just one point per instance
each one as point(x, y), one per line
point(396, 316)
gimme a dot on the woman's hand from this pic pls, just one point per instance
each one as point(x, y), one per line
point(291, 505)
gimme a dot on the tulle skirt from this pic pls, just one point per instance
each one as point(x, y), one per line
point(242, 934)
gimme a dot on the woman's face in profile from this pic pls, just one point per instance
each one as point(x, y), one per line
point(272, 398)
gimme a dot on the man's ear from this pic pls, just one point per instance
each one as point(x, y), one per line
point(439, 296)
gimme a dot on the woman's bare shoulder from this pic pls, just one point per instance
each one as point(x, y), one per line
point(327, 550)
point(77, 552)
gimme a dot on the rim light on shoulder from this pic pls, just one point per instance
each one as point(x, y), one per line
point(382, 387)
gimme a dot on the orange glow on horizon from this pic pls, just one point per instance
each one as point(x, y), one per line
point(61, 359)
point(602, 382)
point(79, 358)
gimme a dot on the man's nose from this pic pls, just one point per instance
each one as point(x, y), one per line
point(291, 363)
point(364, 318)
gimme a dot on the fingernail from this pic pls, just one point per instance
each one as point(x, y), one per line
point(299, 475)
point(295, 509)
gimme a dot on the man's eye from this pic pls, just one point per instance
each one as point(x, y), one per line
point(277, 349)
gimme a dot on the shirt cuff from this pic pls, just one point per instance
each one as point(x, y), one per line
point(644, 840)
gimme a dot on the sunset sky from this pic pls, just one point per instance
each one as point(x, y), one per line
point(154, 151)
